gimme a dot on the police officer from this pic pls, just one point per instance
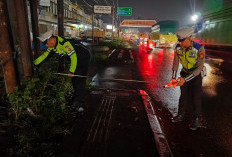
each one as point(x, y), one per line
point(192, 57)
point(79, 57)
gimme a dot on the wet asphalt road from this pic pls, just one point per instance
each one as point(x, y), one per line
point(214, 138)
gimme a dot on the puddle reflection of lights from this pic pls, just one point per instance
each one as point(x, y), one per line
point(150, 57)
point(208, 76)
point(209, 85)
point(160, 51)
point(208, 67)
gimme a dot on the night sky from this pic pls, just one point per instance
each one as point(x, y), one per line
point(159, 10)
point(180, 10)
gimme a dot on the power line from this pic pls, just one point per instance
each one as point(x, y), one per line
point(87, 3)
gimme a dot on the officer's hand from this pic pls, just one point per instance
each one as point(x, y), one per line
point(71, 74)
point(181, 82)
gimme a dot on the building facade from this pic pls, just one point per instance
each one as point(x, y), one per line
point(76, 20)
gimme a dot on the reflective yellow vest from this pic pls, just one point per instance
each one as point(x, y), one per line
point(63, 47)
point(187, 57)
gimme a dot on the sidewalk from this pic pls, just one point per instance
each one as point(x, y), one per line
point(115, 121)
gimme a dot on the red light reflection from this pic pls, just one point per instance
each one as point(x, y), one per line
point(151, 66)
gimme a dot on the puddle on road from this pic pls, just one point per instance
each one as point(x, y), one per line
point(211, 81)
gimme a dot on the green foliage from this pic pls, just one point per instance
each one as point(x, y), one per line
point(44, 94)
point(116, 43)
point(45, 89)
point(99, 57)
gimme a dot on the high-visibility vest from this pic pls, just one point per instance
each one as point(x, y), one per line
point(63, 47)
point(188, 57)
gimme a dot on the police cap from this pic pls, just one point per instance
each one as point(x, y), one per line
point(184, 33)
point(46, 36)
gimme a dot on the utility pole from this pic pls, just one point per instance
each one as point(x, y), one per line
point(60, 10)
point(93, 31)
point(112, 23)
point(118, 21)
point(119, 27)
point(35, 27)
point(24, 37)
point(6, 53)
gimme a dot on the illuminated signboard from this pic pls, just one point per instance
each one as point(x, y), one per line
point(102, 9)
point(124, 11)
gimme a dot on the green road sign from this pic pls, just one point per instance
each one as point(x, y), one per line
point(124, 11)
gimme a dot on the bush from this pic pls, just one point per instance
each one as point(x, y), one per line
point(45, 97)
point(116, 43)
point(99, 57)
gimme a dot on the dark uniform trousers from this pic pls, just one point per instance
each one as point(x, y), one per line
point(83, 60)
point(191, 90)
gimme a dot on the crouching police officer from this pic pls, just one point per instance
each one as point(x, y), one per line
point(192, 57)
point(79, 56)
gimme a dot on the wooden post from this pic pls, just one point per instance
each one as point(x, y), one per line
point(93, 31)
point(60, 10)
point(6, 50)
point(112, 37)
point(60, 13)
point(35, 27)
point(24, 37)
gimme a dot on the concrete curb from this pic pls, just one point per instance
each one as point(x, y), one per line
point(160, 139)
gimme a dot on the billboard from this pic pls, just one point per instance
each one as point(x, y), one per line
point(138, 23)
point(102, 9)
point(124, 11)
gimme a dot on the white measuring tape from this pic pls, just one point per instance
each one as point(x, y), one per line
point(125, 80)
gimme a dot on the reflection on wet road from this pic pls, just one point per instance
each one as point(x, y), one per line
point(104, 79)
point(215, 138)
point(156, 66)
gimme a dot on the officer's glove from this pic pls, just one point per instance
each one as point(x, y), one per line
point(181, 82)
point(71, 74)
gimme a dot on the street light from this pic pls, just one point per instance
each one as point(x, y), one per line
point(195, 17)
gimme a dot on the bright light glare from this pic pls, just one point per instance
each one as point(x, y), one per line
point(109, 27)
point(150, 57)
point(194, 17)
point(75, 25)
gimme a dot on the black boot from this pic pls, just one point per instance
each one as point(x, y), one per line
point(178, 118)
point(76, 105)
point(195, 124)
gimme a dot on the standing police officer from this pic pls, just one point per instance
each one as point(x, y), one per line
point(192, 57)
point(79, 56)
